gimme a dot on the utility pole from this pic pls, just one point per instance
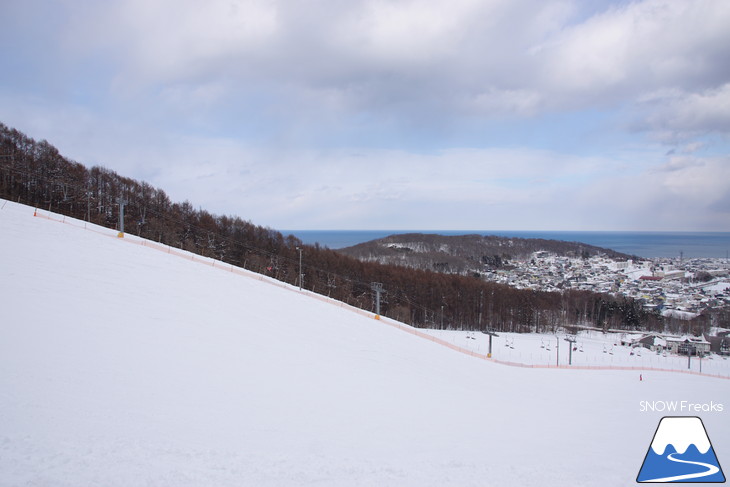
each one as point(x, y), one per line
point(378, 288)
point(121, 202)
point(301, 276)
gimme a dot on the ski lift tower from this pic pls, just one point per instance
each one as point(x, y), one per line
point(570, 339)
point(378, 288)
point(301, 276)
point(492, 333)
point(122, 202)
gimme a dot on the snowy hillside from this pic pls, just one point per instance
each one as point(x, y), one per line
point(121, 365)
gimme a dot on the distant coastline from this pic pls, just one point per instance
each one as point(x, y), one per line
point(644, 244)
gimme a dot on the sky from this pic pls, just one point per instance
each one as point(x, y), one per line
point(390, 114)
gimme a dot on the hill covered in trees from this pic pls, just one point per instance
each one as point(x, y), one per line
point(462, 254)
point(35, 173)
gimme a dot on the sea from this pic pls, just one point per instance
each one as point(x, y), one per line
point(687, 245)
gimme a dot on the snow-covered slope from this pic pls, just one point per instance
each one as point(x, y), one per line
point(121, 365)
point(591, 349)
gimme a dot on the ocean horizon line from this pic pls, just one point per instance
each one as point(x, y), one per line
point(480, 232)
point(646, 244)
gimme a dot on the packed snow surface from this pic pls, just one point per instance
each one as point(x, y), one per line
point(124, 365)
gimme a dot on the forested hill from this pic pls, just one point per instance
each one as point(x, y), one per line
point(36, 174)
point(465, 253)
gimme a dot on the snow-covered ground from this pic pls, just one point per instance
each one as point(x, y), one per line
point(124, 365)
point(590, 349)
point(717, 288)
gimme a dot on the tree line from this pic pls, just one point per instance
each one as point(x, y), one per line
point(35, 173)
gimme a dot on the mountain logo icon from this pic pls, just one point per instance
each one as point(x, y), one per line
point(681, 452)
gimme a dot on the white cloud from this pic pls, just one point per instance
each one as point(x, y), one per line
point(170, 40)
point(703, 180)
point(680, 115)
point(642, 46)
point(411, 60)
point(494, 188)
point(683, 193)
point(524, 103)
point(344, 114)
point(409, 33)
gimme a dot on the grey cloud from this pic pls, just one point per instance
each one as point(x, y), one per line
point(187, 90)
point(410, 63)
point(677, 117)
